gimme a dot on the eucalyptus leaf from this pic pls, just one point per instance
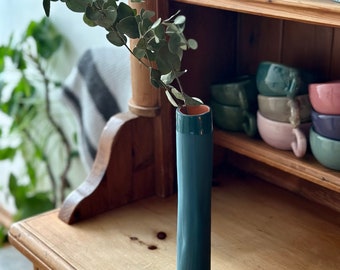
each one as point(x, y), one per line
point(179, 20)
point(88, 21)
point(104, 18)
point(129, 27)
point(144, 26)
point(192, 44)
point(156, 23)
point(159, 32)
point(124, 11)
point(78, 5)
point(47, 6)
point(175, 44)
point(171, 99)
point(155, 77)
point(167, 61)
point(116, 39)
point(139, 52)
point(179, 95)
point(110, 3)
point(147, 14)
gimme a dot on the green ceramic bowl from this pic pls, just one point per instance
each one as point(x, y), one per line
point(233, 118)
point(326, 151)
point(240, 91)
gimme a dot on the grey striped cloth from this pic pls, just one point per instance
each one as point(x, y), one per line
point(96, 89)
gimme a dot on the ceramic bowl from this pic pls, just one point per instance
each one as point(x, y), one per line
point(240, 91)
point(326, 125)
point(325, 97)
point(283, 136)
point(325, 150)
point(274, 79)
point(285, 109)
point(233, 118)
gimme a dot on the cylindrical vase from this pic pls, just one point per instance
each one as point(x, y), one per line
point(194, 152)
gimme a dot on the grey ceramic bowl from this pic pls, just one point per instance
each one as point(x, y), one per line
point(280, 108)
point(326, 125)
point(325, 150)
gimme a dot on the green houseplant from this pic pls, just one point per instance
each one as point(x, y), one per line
point(34, 134)
point(159, 48)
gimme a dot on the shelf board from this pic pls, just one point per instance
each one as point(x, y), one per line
point(323, 12)
point(254, 225)
point(307, 168)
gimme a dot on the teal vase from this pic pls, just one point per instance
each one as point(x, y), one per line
point(194, 151)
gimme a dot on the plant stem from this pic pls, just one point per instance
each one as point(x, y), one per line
point(60, 131)
point(47, 164)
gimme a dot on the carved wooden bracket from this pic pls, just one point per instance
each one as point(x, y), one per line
point(123, 170)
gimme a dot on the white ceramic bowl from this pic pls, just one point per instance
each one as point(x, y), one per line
point(283, 136)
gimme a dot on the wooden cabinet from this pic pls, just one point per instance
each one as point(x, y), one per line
point(234, 37)
point(255, 225)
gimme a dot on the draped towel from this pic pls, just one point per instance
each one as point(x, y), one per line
point(98, 87)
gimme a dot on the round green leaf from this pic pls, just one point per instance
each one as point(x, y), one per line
point(116, 39)
point(179, 20)
point(129, 27)
point(78, 5)
point(192, 44)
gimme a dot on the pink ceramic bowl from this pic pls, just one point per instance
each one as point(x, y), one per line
point(325, 97)
point(284, 136)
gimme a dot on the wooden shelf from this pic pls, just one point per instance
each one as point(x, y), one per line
point(307, 167)
point(324, 12)
point(254, 225)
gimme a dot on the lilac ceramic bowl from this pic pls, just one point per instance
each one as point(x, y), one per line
point(326, 125)
point(325, 97)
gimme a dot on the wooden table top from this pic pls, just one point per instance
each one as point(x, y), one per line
point(255, 225)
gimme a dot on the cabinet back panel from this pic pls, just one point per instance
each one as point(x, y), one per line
point(215, 58)
point(335, 60)
point(259, 38)
point(307, 46)
point(233, 44)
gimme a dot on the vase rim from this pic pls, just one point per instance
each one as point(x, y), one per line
point(195, 110)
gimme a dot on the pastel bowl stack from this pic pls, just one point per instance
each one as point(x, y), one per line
point(284, 108)
point(325, 131)
point(234, 104)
